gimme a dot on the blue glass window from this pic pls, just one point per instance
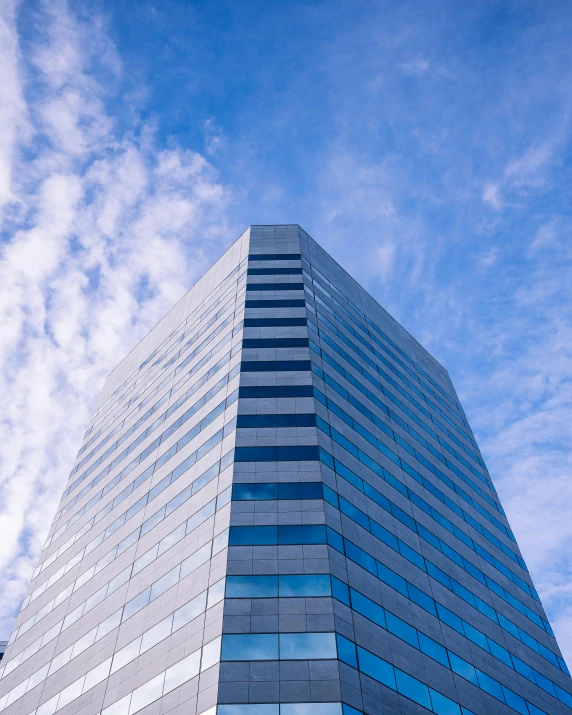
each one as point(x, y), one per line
point(275, 304)
point(305, 534)
point(300, 490)
point(249, 709)
point(252, 535)
point(251, 586)
point(307, 646)
point(412, 689)
point(274, 322)
point(276, 454)
point(250, 647)
point(274, 286)
point(276, 391)
point(287, 420)
point(250, 492)
point(274, 256)
point(275, 365)
point(340, 591)
point(346, 651)
point(304, 585)
point(288, 490)
point(266, 535)
point(442, 705)
point(275, 343)
point(402, 630)
point(432, 649)
point(514, 701)
point(274, 271)
point(464, 669)
point(376, 668)
point(490, 686)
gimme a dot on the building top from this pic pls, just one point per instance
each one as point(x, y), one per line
point(289, 238)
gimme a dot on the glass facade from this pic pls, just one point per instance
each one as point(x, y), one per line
point(279, 508)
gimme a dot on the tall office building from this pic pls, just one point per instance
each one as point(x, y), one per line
point(279, 508)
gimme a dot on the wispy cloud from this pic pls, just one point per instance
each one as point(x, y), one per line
point(103, 230)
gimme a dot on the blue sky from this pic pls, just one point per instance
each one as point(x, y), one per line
point(426, 145)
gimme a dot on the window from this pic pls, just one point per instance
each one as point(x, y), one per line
point(259, 421)
point(307, 646)
point(275, 343)
point(274, 322)
point(275, 365)
point(283, 646)
point(276, 391)
point(412, 689)
point(274, 257)
point(270, 709)
point(300, 490)
point(259, 646)
point(376, 668)
point(267, 535)
point(276, 454)
point(274, 286)
point(442, 705)
point(264, 492)
point(275, 304)
point(252, 492)
point(252, 586)
point(304, 585)
point(274, 271)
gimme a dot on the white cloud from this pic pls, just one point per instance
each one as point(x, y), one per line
point(522, 174)
point(91, 213)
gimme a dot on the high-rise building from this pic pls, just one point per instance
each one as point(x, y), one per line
point(279, 508)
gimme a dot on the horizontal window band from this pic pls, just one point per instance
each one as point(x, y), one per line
point(274, 272)
point(290, 709)
point(308, 453)
point(248, 491)
point(275, 365)
point(275, 343)
point(317, 585)
point(313, 534)
point(261, 421)
point(278, 646)
point(275, 304)
point(274, 322)
point(257, 391)
point(274, 286)
point(391, 578)
point(282, 586)
point(273, 535)
point(274, 257)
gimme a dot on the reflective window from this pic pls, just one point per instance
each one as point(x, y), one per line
point(276, 454)
point(274, 322)
point(274, 271)
point(275, 365)
point(251, 586)
point(307, 646)
point(265, 492)
point(259, 646)
point(274, 286)
point(275, 303)
point(274, 256)
point(288, 420)
point(305, 585)
point(276, 391)
point(266, 535)
point(286, 586)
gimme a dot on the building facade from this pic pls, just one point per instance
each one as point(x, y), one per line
point(279, 508)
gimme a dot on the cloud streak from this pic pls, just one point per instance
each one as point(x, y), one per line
point(103, 230)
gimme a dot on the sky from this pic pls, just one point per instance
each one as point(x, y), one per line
point(427, 145)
